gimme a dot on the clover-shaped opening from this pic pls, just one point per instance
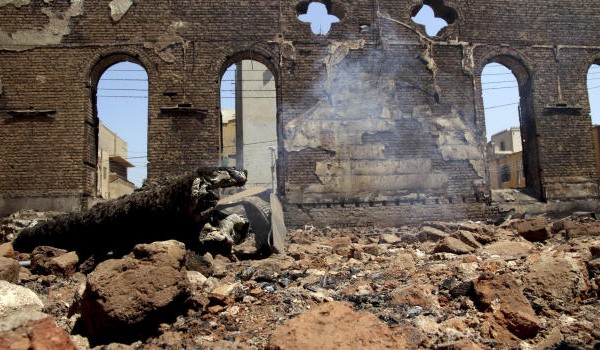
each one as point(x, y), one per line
point(320, 15)
point(434, 16)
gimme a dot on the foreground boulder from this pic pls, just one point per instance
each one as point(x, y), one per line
point(333, 326)
point(126, 299)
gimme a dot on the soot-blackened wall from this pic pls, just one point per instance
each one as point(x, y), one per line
point(378, 123)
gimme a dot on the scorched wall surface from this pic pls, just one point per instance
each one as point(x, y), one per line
point(378, 123)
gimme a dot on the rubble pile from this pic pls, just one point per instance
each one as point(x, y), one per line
point(171, 267)
point(525, 284)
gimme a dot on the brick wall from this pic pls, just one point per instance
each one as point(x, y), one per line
point(374, 113)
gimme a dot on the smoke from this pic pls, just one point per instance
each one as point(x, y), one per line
point(380, 120)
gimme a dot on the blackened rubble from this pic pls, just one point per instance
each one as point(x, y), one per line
point(172, 208)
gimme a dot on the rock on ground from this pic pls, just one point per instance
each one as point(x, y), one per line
point(9, 270)
point(27, 330)
point(534, 230)
point(17, 298)
point(560, 281)
point(130, 297)
point(334, 326)
point(48, 260)
point(503, 298)
point(508, 293)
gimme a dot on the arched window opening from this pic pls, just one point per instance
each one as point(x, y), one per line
point(122, 110)
point(249, 121)
point(319, 18)
point(501, 99)
point(593, 85)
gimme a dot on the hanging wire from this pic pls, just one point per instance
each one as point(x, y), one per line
point(504, 105)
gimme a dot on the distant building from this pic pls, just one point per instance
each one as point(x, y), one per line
point(112, 165)
point(596, 139)
point(505, 160)
point(250, 132)
point(228, 128)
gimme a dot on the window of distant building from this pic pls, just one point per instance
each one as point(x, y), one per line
point(505, 174)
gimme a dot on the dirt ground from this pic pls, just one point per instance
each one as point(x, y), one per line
point(525, 284)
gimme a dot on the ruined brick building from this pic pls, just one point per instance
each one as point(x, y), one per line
point(378, 123)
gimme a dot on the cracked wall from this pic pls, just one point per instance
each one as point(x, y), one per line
point(378, 122)
point(52, 33)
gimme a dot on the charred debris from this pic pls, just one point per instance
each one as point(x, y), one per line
point(184, 208)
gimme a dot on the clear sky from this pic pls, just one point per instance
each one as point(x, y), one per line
point(123, 108)
point(123, 93)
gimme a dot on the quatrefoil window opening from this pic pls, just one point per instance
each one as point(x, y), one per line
point(433, 24)
point(319, 18)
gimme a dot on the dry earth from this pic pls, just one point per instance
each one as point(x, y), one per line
point(526, 284)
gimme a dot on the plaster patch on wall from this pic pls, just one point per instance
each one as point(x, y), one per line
point(15, 3)
point(360, 101)
point(455, 140)
point(337, 52)
point(51, 34)
point(163, 44)
point(336, 128)
point(118, 9)
point(468, 61)
point(356, 176)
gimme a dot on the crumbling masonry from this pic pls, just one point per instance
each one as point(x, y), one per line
point(378, 123)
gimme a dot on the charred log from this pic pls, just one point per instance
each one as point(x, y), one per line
point(173, 208)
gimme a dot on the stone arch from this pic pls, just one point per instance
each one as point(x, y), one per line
point(255, 54)
point(100, 63)
point(585, 71)
point(266, 59)
point(522, 71)
point(592, 94)
point(595, 60)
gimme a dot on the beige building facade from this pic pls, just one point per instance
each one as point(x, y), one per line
point(249, 133)
point(228, 129)
point(112, 179)
point(505, 160)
